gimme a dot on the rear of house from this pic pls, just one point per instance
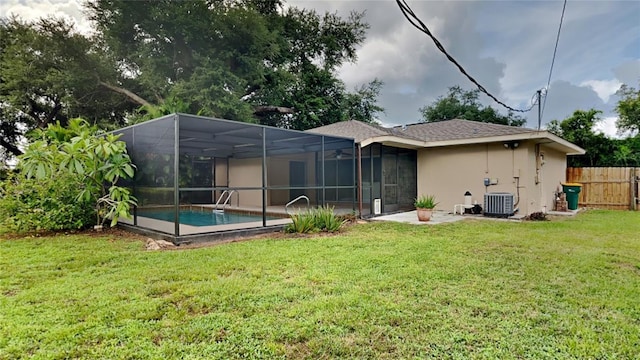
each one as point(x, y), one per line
point(449, 158)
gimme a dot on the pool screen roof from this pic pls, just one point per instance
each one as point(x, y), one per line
point(203, 136)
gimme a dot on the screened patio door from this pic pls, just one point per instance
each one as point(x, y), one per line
point(390, 180)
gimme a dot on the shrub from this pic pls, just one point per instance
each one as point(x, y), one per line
point(97, 161)
point(318, 219)
point(43, 205)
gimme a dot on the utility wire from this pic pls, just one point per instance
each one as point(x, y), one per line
point(418, 24)
point(553, 59)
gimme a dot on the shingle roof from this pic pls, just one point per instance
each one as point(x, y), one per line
point(455, 129)
point(449, 132)
point(458, 129)
point(357, 130)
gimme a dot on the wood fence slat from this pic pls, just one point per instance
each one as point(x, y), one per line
point(609, 188)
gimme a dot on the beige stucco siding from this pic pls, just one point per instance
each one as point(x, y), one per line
point(278, 175)
point(553, 173)
point(448, 172)
point(246, 173)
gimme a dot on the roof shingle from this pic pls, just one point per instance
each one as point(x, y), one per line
point(455, 129)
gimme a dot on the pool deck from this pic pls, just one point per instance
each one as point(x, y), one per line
point(169, 227)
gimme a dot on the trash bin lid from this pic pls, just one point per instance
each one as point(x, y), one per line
point(572, 184)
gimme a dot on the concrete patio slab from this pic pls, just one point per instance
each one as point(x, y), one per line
point(440, 217)
point(411, 217)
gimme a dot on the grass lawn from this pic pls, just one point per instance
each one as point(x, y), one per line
point(569, 288)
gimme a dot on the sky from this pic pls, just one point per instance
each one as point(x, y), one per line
point(506, 45)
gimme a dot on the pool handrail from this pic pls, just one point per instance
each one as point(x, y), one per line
point(226, 202)
point(286, 207)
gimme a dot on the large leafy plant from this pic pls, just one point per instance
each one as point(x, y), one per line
point(99, 161)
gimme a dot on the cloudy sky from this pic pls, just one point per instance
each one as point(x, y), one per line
point(506, 45)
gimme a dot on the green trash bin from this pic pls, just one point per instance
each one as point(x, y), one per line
point(572, 190)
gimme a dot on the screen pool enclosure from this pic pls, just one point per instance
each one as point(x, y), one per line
point(200, 178)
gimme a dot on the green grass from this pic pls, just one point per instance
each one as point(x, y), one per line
point(565, 289)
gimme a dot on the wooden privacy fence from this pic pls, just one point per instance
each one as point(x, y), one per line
point(607, 187)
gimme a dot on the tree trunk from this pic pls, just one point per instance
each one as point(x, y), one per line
point(10, 147)
point(262, 110)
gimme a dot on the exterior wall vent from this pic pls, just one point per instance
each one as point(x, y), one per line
point(498, 204)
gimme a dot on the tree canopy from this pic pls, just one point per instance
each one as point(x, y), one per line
point(628, 109)
point(245, 60)
point(600, 150)
point(48, 74)
point(463, 104)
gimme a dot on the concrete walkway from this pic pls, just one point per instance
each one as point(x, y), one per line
point(411, 217)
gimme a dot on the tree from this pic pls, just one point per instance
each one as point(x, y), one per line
point(48, 74)
point(628, 109)
point(246, 60)
point(578, 129)
point(362, 105)
point(462, 104)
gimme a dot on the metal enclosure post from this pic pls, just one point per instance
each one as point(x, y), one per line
point(264, 177)
point(353, 175)
point(322, 172)
point(176, 175)
point(133, 180)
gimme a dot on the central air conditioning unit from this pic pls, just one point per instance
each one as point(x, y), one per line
point(498, 204)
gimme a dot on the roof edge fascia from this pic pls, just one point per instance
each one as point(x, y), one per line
point(395, 139)
point(568, 147)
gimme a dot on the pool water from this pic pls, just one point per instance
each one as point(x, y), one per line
point(201, 217)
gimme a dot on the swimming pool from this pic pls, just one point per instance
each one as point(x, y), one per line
point(205, 217)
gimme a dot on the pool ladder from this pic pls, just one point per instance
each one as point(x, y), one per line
point(229, 193)
point(286, 207)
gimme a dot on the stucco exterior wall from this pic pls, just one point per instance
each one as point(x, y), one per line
point(278, 175)
point(554, 173)
point(449, 172)
point(246, 173)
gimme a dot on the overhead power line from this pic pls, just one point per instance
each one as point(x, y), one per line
point(553, 59)
point(418, 24)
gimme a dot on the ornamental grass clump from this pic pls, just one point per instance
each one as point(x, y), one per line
point(425, 202)
point(321, 219)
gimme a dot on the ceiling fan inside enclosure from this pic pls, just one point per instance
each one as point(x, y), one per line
point(339, 154)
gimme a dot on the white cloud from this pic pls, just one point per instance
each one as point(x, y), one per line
point(31, 10)
point(604, 88)
point(607, 126)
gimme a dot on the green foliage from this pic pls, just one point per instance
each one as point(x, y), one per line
point(600, 150)
point(98, 162)
point(314, 220)
point(362, 105)
point(302, 223)
point(50, 73)
point(43, 204)
point(628, 109)
point(425, 202)
point(244, 60)
point(234, 59)
point(462, 104)
point(561, 289)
